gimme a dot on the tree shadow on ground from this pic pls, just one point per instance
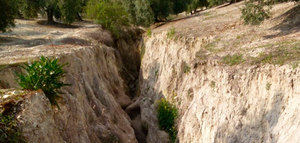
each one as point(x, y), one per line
point(13, 41)
point(259, 130)
point(289, 25)
point(57, 24)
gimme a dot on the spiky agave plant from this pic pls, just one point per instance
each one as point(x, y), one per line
point(44, 74)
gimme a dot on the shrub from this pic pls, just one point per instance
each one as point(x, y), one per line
point(216, 2)
point(143, 13)
point(44, 74)
point(254, 13)
point(167, 114)
point(9, 132)
point(111, 15)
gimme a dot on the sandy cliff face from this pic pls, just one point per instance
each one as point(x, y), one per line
point(91, 108)
point(222, 99)
point(253, 97)
point(218, 102)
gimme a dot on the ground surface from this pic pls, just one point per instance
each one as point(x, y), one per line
point(222, 32)
point(30, 39)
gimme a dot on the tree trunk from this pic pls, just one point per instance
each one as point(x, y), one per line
point(50, 16)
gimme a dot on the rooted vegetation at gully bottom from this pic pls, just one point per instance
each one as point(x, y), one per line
point(167, 115)
point(118, 17)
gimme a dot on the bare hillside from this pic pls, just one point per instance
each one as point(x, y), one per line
point(220, 31)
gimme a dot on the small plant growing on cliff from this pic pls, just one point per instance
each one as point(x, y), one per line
point(186, 68)
point(167, 114)
point(171, 32)
point(149, 32)
point(212, 84)
point(233, 59)
point(268, 86)
point(44, 74)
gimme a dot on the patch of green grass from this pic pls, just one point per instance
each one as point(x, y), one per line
point(156, 73)
point(171, 32)
point(186, 68)
point(233, 59)
point(268, 86)
point(44, 74)
point(295, 65)
point(212, 84)
point(167, 114)
point(283, 52)
point(149, 32)
point(211, 46)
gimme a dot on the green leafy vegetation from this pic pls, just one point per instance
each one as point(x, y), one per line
point(233, 59)
point(171, 32)
point(284, 52)
point(268, 86)
point(212, 84)
point(149, 32)
point(211, 46)
point(295, 65)
point(66, 10)
point(186, 68)
point(8, 10)
point(142, 14)
point(9, 132)
point(195, 4)
point(111, 15)
point(254, 13)
point(216, 2)
point(44, 74)
point(167, 114)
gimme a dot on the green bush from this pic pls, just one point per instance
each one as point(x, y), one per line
point(167, 114)
point(9, 132)
point(44, 74)
point(216, 2)
point(144, 15)
point(111, 15)
point(254, 13)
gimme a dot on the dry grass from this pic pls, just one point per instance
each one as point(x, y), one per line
point(221, 33)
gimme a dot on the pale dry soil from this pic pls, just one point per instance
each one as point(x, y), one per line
point(28, 40)
point(220, 32)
